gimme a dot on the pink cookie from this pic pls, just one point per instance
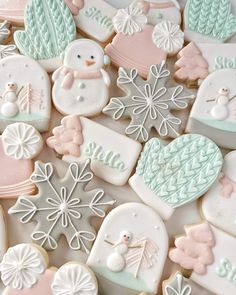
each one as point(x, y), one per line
point(13, 10)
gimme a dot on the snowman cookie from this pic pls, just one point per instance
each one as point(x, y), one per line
point(81, 85)
point(128, 255)
point(160, 10)
point(19, 144)
point(214, 111)
point(24, 93)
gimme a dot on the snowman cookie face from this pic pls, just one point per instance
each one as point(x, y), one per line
point(128, 253)
point(81, 85)
point(214, 110)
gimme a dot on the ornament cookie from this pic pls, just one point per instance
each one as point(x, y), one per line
point(209, 21)
point(95, 20)
point(78, 139)
point(210, 252)
point(129, 254)
point(174, 175)
point(81, 85)
point(62, 206)
point(19, 144)
point(218, 205)
point(13, 11)
point(214, 111)
point(25, 93)
point(133, 32)
point(148, 103)
point(74, 278)
point(161, 10)
point(49, 28)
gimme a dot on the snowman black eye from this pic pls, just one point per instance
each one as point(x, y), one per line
point(92, 57)
point(125, 236)
point(79, 56)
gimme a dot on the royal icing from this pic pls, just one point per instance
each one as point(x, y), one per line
point(49, 28)
point(95, 20)
point(74, 278)
point(4, 31)
point(81, 85)
point(13, 10)
point(75, 5)
point(78, 139)
point(62, 206)
point(218, 205)
point(25, 93)
point(148, 103)
point(161, 10)
point(129, 253)
point(7, 50)
point(171, 176)
point(3, 233)
point(178, 285)
point(22, 266)
point(209, 21)
point(168, 37)
point(213, 112)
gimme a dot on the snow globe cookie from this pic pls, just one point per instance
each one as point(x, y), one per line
point(81, 85)
point(13, 11)
point(163, 179)
point(24, 271)
point(78, 139)
point(128, 255)
point(149, 103)
point(209, 21)
point(62, 206)
point(74, 278)
point(134, 32)
point(213, 112)
point(218, 205)
point(49, 28)
point(159, 10)
point(25, 93)
point(210, 253)
point(19, 144)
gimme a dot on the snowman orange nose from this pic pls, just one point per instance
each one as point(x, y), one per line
point(89, 62)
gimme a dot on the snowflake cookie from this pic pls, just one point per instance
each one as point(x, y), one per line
point(62, 206)
point(177, 285)
point(149, 103)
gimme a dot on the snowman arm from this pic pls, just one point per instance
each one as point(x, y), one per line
point(106, 78)
point(232, 97)
point(20, 90)
point(108, 242)
point(209, 100)
point(135, 247)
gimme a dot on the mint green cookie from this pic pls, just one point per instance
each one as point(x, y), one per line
point(49, 28)
point(212, 18)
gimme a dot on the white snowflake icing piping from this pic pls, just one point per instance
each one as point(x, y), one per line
point(7, 50)
point(22, 266)
point(72, 279)
point(63, 206)
point(4, 31)
point(130, 20)
point(178, 286)
point(168, 37)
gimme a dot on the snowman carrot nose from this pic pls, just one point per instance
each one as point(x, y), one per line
point(89, 62)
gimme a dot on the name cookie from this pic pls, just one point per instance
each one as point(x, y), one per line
point(78, 139)
point(81, 85)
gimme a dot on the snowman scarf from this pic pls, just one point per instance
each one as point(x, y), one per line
point(146, 6)
point(70, 75)
point(228, 186)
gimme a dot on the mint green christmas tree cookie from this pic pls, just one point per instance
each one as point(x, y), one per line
point(209, 21)
point(49, 28)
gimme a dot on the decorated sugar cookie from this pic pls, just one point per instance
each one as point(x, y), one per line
point(49, 28)
point(81, 85)
point(148, 103)
point(23, 267)
point(75, 5)
point(209, 21)
point(13, 11)
point(3, 233)
point(7, 50)
point(218, 205)
point(171, 176)
point(134, 32)
point(210, 252)
point(19, 144)
point(5, 32)
point(78, 139)
point(129, 254)
point(161, 10)
point(214, 111)
point(74, 278)
point(94, 19)
point(24, 93)
point(62, 206)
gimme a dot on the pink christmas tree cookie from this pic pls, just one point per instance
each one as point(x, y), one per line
point(194, 251)
point(191, 66)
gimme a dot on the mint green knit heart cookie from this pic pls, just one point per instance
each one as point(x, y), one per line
point(182, 171)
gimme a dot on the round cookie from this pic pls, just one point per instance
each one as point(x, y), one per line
point(81, 85)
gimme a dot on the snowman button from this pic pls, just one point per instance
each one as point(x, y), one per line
point(81, 85)
point(80, 98)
